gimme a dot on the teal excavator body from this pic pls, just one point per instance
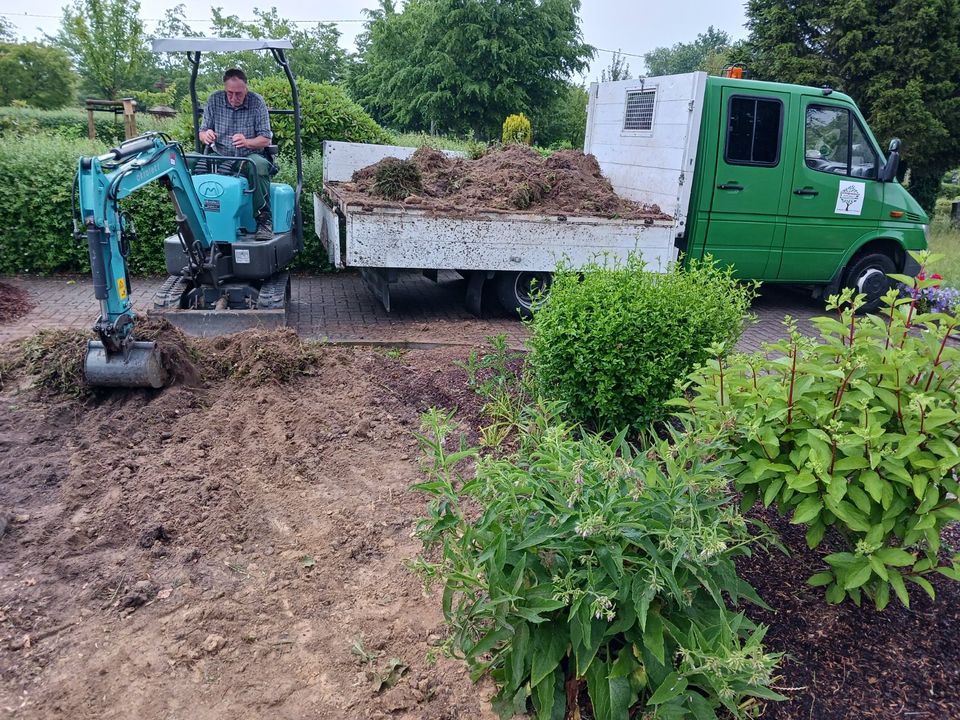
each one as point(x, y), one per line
point(214, 259)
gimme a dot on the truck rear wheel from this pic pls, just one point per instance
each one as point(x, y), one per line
point(522, 292)
point(867, 274)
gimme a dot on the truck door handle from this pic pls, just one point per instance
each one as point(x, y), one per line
point(730, 186)
point(806, 191)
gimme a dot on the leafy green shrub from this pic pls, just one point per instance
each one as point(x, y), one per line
point(38, 174)
point(517, 129)
point(314, 256)
point(858, 432)
point(612, 339)
point(577, 558)
point(327, 114)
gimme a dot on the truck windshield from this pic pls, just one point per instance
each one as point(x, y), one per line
point(836, 143)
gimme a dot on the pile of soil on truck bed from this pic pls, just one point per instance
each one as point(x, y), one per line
point(236, 548)
point(14, 303)
point(513, 179)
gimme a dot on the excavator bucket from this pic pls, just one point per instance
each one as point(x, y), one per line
point(140, 367)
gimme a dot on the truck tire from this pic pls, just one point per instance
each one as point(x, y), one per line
point(520, 293)
point(867, 274)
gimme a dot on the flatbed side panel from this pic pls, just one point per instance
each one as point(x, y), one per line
point(654, 165)
point(327, 225)
point(342, 159)
point(419, 241)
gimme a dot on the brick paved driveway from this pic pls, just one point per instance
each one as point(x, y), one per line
point(339, 307)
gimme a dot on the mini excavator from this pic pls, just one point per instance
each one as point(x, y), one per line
point(215, 260)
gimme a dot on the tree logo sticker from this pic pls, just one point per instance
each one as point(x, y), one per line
point(850, 198)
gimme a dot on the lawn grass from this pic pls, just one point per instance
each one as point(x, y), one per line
point(945, 240)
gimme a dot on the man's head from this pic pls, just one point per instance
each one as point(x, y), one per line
point(235, 85)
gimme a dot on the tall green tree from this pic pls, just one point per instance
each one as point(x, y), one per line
point(316, 53)
point(618, 69)
point(564, 121)
point(899, 59)
point(458, 65)
point(37, 75)
point(8, 31)
point(106, 41)
point(688, 57)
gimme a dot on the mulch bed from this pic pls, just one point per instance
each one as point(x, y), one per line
point(14, 303)
point(845, 662)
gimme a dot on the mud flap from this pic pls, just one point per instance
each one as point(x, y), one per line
point(140, 367)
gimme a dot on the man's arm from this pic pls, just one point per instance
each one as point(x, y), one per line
point(207, 133)
point(261, 124)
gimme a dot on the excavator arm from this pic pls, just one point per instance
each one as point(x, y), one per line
point(117, 359)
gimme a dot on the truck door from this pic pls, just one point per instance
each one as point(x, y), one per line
point(747, 190)
point(835, 198)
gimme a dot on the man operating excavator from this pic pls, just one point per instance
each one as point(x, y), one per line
point(236, 124)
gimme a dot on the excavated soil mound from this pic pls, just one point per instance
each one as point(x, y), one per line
point(14, 303)
point(51, 361)
point(255, 357)
point(513, 179)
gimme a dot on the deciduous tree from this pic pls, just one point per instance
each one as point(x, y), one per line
point(106, 41)
point(457, 65)
point(37, 75)
point(688, 57)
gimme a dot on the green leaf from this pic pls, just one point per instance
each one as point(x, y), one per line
point(672, 686)
point(924, 583)
point(549, 699)
point(820, 579)
point(872, 484)
point(653, 636)
point(896, 582)
point(807, 510)
point(882, 598)
point(549, 644)
point(598, 687)
point(858, 576)
point(895, 557)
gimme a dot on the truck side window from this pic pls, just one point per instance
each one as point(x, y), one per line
point(835, 143)
point(753, 131)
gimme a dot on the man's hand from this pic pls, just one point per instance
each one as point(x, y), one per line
point(208, 137)
point(240, 141)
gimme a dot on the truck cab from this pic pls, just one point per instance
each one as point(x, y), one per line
point(791, 186)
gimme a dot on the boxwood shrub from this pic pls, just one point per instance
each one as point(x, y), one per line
point(612, 339)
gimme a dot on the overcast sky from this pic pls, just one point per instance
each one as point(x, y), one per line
point(633, 27)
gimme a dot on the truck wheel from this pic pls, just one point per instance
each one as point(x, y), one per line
point(522, 292)
point(867, 274)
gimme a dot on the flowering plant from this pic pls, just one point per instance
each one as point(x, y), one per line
point(932, 298)
point(857, 432)
point(578, 559)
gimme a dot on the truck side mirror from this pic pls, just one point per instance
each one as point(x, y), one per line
point(888, 172)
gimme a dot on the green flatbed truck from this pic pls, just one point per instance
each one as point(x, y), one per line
point(784, 182)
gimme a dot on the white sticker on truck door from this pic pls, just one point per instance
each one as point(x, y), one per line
point(850, 198)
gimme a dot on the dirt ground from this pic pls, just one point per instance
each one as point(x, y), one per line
point(236, 547)
point(216, 551)
point(513, 179)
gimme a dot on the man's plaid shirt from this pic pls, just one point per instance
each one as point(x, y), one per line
point(251, 119)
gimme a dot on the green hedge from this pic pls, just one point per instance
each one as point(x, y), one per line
point(72, 123)
point(37, 175)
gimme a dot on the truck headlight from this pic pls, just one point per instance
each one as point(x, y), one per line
point(926, 232)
